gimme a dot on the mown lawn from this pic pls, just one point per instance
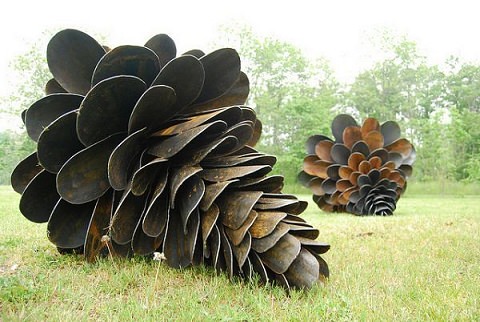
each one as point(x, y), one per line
point(423, 263)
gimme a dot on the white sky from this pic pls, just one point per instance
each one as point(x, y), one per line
point(335, 29)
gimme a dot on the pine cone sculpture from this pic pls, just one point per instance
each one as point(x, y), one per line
point(140, 151)
point(362, 171)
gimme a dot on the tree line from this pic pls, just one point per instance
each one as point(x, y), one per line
point(437, 107)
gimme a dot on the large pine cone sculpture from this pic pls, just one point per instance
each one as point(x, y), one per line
point(362, 171)
point(140, 151)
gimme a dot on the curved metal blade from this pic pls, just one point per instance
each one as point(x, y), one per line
point(177, 177)
point(229, 143)
point(263, 244)
point(380, 153)
point(208, 219)
point(195, 53)
point(136, 61)
point(282, 281)
point(24, 172)
point(281, 256)
point(241, 159)
point(236, 236)
point(258, 267)
point(344, 172)
point(173, 145)
point(185, 74)
point(98, 227)
point(126, 217)
point(163, 46)
point(179, 247)
point(156, 216)
point(333, 172)
point(243, 131)
point(189, 195)
point(402, 146)
point(265, 223)
point(58, 142)
point(84, 177)
point(339, 123)
point(315, 167)
point(411, 157)
point(257, 133)
point(285, 205)
point(361, 147)
point(304, 270)
point(242, 250)
point(312, 141)
point(39, 197)
point(407, 170)
point(322, 150)
point(122, 157)
point(217, 148)
point(340, 153)
point(376, 162)
point(305, 178)
point(153, 108)
point(72, 56)
point(222, 69)
point(370, 124)
point(229, 115)
point(107, 107)
point(212, 191)
point(303, 231)
point(227, 252)
point(314, 245)
point(53, 87)
point(236, 206)
point(48, 109)
point(247, 270)
point(143, 244)
point(351, 135)
point(237, 95)
point(354, 161)
point(374, 140)
point(390, 131)
point(343, 184)
point(272, 184)
point(143, 177)
point(225, 174)
point(68, 224)
point(315, 186)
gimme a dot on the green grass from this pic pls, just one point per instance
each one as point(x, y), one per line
point(423, 263)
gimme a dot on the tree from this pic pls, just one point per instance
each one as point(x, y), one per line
point(405, 88)
point(292, 95)
point(31, 75)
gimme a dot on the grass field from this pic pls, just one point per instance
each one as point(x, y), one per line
point(423, 263)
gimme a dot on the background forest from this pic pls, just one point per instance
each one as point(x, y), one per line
point(295, 96)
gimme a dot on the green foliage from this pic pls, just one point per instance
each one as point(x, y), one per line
point(14, 147)
point(292, 95)
point(31, 73)
point(438, 107)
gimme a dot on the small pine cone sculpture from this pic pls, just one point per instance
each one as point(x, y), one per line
point(140, 151)
point(362, 171)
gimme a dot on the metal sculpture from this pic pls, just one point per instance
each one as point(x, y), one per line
point(140, 151)
point(363, 171)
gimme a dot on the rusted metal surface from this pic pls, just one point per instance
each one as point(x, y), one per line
point(363, 172)
point(140, 151)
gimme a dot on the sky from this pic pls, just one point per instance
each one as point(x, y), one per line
point(338, 30)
